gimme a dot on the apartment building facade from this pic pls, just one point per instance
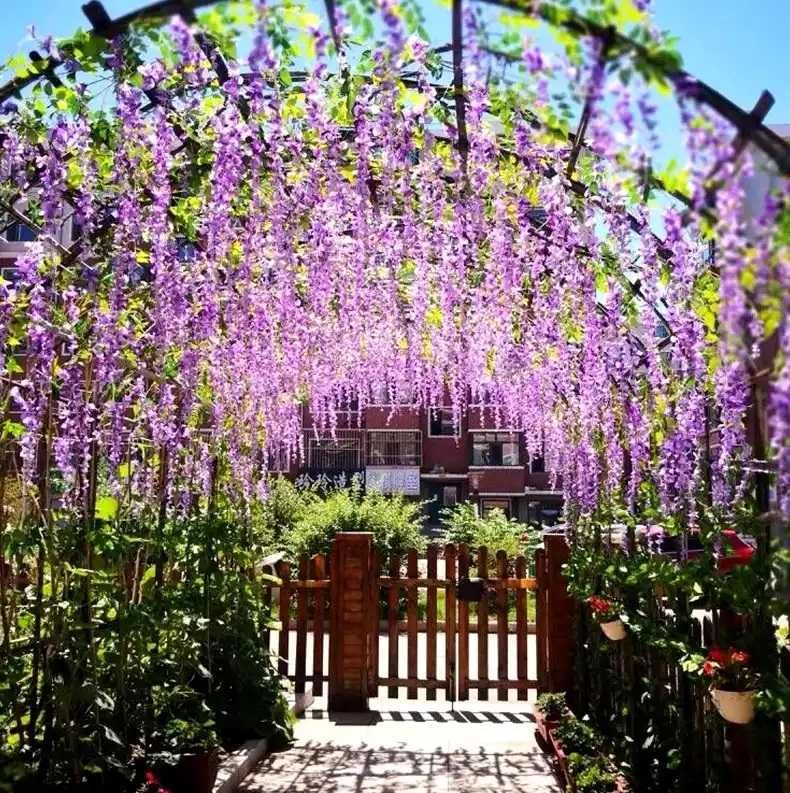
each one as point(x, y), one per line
point(421, 453)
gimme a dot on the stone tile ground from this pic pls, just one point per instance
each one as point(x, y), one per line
point(410, 750)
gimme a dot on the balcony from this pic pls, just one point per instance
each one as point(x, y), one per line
point(328, 454)
point(394, 448)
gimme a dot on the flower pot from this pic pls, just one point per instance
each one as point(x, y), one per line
point(614, 630)
point(544, 726)
point(736, 707)
point(195, 772)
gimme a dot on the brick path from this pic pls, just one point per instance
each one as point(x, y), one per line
point(487, 747)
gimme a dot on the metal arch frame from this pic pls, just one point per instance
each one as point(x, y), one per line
point(748, 124)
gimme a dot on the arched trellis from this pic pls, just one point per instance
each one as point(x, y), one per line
point(749, 125)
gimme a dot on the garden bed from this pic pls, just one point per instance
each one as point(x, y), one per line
point(579, 761)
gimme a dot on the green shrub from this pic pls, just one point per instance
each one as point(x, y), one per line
point(496, 531)
point(577, 736)
point(275, 518)
point(592, 774)
point(552, 706)
point(394, 522)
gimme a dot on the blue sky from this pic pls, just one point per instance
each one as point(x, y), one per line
point(739, 47)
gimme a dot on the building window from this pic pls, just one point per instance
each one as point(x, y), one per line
point(279, 460)
point(495, 448)
point(544, 513)
point(382, 395)
point(490, 504)
point(537, 466)
point(394, 448)
point(19, 232)
point(332, 455)
point(440, 423)
point(449, 496)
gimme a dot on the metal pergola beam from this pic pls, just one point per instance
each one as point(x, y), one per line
point(686, 84)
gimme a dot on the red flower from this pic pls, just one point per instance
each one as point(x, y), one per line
point(151, 778)
point(709, 668)
point(718, 655)
point(739, 657)
point(599, 604)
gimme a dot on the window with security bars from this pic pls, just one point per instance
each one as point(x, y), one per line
point(441, 423)
point(495, 448)
point(394, 448)
point(328, 454)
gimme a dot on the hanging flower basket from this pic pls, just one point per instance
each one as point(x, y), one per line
point(737, 707)
point(732, 683)
point(614, 630)
point(605, 613)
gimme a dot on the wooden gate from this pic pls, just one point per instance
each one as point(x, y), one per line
point(479, 603)
point(456, 621)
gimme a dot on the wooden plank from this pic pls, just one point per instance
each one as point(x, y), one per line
point(406, 582)
point(350, 622)
point(449, 622)
point(463, 627)
point(522, 628)
point(482, 624)
point(430, 663)
point(392, 625)
point(501, 623)
point(430, 685)
point(318, 572)
point(375, 592)
point(484, 685)
point(540, 611)
point(309, 583)
point(520, 583)
point(284, 574)
point(301, 629)
point(411, 616)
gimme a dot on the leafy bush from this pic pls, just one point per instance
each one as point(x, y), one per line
point(463, 524)
point(394, 521)
point(552, 706)
point(592, 774)
point(274, 518)
point(577, 736)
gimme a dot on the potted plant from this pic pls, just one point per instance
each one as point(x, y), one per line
point(731, 682)
point(572, 735)
point(592, 774)
point(189, 756)
point(549, 709)
point(605, 612)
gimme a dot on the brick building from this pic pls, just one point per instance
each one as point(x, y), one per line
point(419, 452)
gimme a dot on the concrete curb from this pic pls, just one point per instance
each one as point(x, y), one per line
point(237, 766)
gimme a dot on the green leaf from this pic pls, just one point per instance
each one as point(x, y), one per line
point(106, 508)
point(112, 736)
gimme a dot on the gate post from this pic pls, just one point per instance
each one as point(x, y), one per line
point(558, 619)
point(351, 619)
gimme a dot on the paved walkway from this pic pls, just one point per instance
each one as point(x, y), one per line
point(436, 749)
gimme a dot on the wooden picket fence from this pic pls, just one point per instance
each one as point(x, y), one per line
point(468, 597)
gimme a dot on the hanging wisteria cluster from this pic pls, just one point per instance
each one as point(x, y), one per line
point(251, 239)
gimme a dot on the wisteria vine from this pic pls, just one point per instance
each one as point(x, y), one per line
point(249, 246)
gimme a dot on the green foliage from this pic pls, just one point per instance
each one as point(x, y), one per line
point(592, 774)
point(394, 521)
point(577, 736)
point(552, 705)
point(464, 524)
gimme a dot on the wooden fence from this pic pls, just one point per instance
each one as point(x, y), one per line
point(459, 609)
point(642, 698)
